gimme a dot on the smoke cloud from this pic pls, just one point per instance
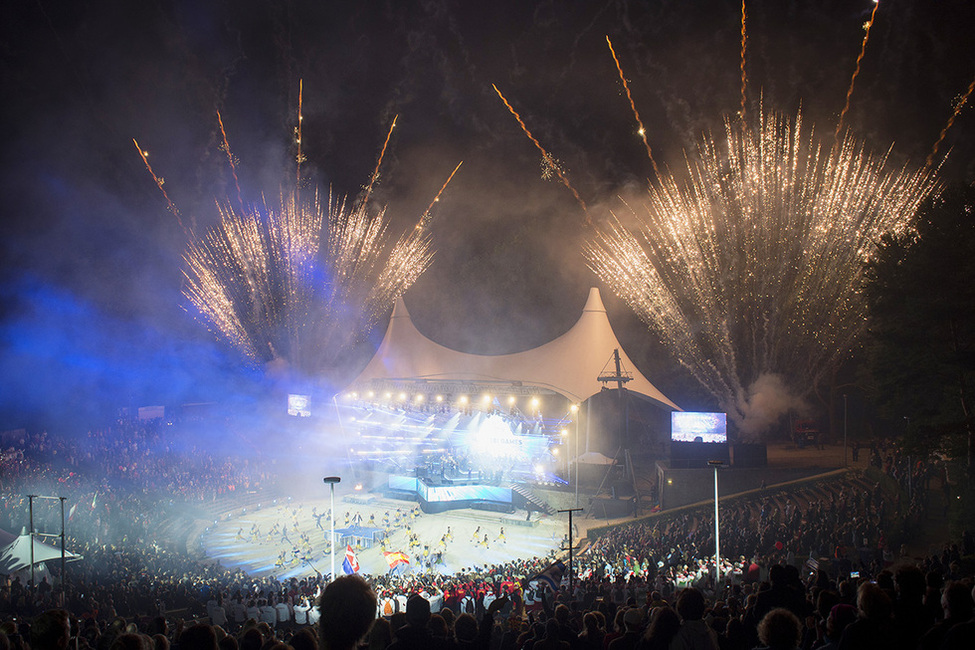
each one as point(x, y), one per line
point(769, 399)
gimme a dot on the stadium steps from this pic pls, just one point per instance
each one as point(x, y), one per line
point(537, 502)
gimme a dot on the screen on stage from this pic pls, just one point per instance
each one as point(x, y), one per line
point(299, 405)
point(691, 426)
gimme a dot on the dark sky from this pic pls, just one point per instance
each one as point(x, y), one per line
point(90, 281)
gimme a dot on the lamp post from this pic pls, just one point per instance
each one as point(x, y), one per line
point(331, 481)
point(845, 445)
point(575, 412)
point(717, 535)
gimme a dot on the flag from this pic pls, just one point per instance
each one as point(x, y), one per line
point(94, 501)
point(351, 564)
point(71, 512)
point(395, 558)
point(552, 576)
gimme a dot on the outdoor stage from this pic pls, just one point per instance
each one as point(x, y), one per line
point(289, 538)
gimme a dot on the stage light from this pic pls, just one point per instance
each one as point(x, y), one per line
point(574, 408)
point(565, 432)
point(511, 399)
point(402, 396)
point(463, 399)
point(439, 398)
point(535, 402)
point(388, 395)
point(419, 398)
point(486, 399)
point(370, 394)
point(358, 487)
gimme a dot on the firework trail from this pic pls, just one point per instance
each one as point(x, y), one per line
point(230, 159)
point(159, 184)
point(744, 41)
point(546, 156)
point(959, 105)
point(299, 157)
point(425, 217)
point(751, 268)
point(375, 174)
point(636, 113)
point(856, 71)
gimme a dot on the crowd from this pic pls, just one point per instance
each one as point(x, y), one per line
point(807, 567)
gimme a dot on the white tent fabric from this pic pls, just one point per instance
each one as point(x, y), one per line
point(569, 364)
point(15, 556)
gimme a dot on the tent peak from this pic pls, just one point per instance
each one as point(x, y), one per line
point(594, 302)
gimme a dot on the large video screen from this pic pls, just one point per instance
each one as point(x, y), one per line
point(299, 405)
point(692, 426)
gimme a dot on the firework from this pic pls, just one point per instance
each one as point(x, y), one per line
point(744, 41)
point(752, 267)
point(546, 156)
point(159, 183)
point(230, 160)
point(856, 71)
point(636, 114)
point(299, 283)
point(379, 162)
point(960, 104)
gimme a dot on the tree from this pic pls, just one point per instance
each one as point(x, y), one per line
point(921, 295)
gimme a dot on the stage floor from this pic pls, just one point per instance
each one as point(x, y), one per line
point(271, 552)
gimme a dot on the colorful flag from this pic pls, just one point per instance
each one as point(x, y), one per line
point(552, 576)
point(351, 564)
point(395, 558)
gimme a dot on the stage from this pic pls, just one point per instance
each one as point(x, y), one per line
point(289, 538)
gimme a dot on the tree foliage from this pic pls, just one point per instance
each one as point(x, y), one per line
point(921, 295)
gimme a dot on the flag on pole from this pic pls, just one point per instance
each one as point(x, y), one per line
point(395, 558)
point(552, 576)
point(351, 564)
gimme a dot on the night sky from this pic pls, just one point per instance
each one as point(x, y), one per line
point(92, 317)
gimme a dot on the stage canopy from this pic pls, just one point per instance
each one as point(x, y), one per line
point(569, 365)
point(15, 553)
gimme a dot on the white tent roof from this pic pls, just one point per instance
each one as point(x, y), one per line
point(569, 364)
point(16, 554)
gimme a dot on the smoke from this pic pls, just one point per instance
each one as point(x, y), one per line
point(768, 400)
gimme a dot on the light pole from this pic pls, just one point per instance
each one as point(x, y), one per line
point(331, 481)
point(575, 412)
point(717, 535)
point(845, 446)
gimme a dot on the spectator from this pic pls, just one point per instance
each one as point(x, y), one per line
point(780, 629)
point(348, 608)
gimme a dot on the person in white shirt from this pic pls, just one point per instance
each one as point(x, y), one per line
point(301, 612)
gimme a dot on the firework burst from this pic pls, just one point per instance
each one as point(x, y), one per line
point(299, 283)
point(752, 267)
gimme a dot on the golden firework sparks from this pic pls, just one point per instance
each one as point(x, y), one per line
point(546, 156)
point(425, 217)
point(642, 131)
point(744, 41)
point(159, 183)
point(959, 105)
point(375, 174)
point(856, 71)
point(754, 264)
point(230, 160)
